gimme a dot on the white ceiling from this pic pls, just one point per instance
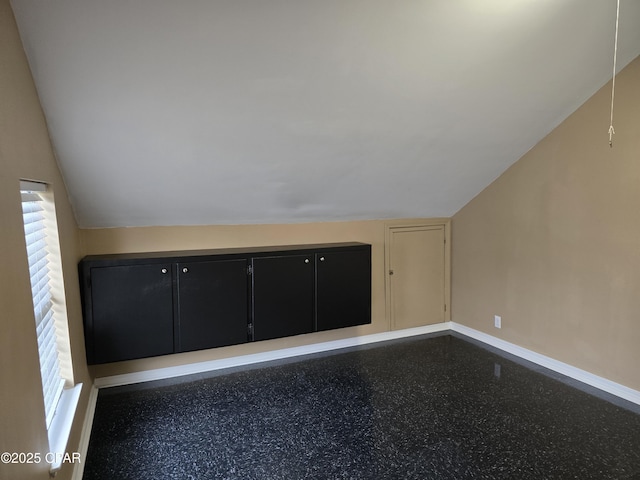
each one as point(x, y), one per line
point(166, 112)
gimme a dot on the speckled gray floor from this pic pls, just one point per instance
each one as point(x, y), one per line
point(427, 408)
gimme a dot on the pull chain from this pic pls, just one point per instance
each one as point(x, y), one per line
point(613, 82)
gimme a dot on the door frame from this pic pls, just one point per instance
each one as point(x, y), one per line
point(417, 223)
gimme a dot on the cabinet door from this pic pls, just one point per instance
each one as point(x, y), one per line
point(132, 312)
point(343, 289)
point(282, 296)
point(213, 306)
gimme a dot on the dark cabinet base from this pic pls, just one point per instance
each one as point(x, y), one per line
point(132, 312)
point(212, 304)
point(143, 305)
point(282, 296)
point(343, 289)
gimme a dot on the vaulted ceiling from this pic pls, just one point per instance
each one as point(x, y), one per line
point(166, 112)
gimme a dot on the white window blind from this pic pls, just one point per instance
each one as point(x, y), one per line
point(34, 215)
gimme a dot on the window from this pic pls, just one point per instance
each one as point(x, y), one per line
point(47, 289)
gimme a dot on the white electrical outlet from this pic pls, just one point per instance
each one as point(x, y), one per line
point(497, 321)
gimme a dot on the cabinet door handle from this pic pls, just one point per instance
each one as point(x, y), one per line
point(185, 270)
point(322, 259)
point(306, 260)
point(164, 270)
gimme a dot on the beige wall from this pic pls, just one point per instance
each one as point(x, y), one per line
point(120, 240)
point(553, 245)
point(25, 152)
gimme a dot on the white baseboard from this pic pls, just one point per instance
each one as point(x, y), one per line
point(242, 360)
point(588, 378)
point(85, 435)
point(563, 368)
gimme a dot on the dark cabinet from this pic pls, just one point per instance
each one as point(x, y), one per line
point(212, 304)
point(132, 312)
point(149, 304)
point(282, 296)
point(343, 289)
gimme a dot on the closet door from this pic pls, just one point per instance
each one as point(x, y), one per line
point(416, 273)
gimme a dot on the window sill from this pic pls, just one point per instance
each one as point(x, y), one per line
point(60, 427)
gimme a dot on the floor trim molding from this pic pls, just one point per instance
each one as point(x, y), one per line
point(242, 360)
point(85, 435)
point(575, 373)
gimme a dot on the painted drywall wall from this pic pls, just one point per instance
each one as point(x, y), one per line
point(121, 240)
point(25, 152)
point(553, 245)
